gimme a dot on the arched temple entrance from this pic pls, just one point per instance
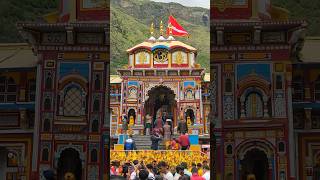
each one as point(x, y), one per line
point(161, 101)
point(132, 114)
point(69, 162)
point(255, 162)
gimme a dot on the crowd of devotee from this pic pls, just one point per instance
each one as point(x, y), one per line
point(159, 170)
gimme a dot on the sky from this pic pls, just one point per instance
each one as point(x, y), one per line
point(191, 3)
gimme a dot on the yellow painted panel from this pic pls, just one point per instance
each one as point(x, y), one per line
point(195, 148)
point(119, 147)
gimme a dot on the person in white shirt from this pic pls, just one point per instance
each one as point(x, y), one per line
point(206, 171)
point(167, 175)
point(178, 173)
point(151, 174)
point(184, 166)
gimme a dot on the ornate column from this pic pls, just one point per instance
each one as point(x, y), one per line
point(265, 107)
point(242, 108)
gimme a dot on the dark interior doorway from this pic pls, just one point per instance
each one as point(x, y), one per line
point(69, 162)
point(161, 101)
point(132, 113)
point(190, 113)
point(255, 162)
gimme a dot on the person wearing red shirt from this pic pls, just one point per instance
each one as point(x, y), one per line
point(195, 175)
point(184, 141)
point(174, 144)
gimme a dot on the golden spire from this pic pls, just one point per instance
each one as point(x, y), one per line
point(151, 29)
point(161, 28)
point(170, 28)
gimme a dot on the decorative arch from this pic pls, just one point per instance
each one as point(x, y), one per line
point(78, 148)
point(253, 81)
point(263, 145)
point(155, 86)
point(73, 78)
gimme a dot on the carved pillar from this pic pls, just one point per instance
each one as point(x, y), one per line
point(265, 107)
point(70, 35)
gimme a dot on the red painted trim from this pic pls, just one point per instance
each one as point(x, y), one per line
point(160, 65)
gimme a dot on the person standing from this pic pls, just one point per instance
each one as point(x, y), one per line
point(184, 141)
point(155, 138)
point(164, 171)
point(130, 143)
point(148, 124)
point(167, 132)
point(182, 126)
point(206, 171)
point(195, 175)
point(124, 124)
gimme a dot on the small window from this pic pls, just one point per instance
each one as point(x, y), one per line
point(96, 105)
point(46, 125)
point(228, 85)
point(45, 154)
point(279, 82)
point(95, 126)
point(47, 104)
point(94, 155)
point(48, 81)
point(281, 147)
point(229, 149)
point(97, 82)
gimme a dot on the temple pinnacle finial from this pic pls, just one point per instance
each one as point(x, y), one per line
point(161, 28)
point(152, 29)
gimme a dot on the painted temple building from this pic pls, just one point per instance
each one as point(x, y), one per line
point(253, 48)
point(58, 104)
point(162, 77)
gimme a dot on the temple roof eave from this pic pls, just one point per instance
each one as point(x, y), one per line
point(168, 44)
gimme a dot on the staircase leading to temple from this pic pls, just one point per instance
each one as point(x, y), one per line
point(143, 142)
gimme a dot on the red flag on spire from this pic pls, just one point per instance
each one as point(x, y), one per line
point(174, 28)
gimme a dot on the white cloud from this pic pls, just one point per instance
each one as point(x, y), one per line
point(190, 3)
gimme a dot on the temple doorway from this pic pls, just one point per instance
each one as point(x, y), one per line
point(190, 114)
point(132, 116)
point(69, 164)
point(255, 163)
point(161, 102)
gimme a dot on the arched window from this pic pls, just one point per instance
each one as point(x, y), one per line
point(279, 84)
point(97, 82)
point(48, 81)
point(228, 85)
point(46, 125)
point(96, 105)
point(8, 90)
point(47, 103)
point(45, 154)
point(253, 105)
point(94, 155)
point(73, 101)
point(95, 126)
point(133, 93)
point(189, 94)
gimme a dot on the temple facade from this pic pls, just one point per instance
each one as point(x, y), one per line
point(162, 78)
point(253, 48)
point(71, 111)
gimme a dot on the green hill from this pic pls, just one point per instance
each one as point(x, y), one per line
point(131, 19)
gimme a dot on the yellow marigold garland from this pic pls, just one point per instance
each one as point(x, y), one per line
point(173, 158)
